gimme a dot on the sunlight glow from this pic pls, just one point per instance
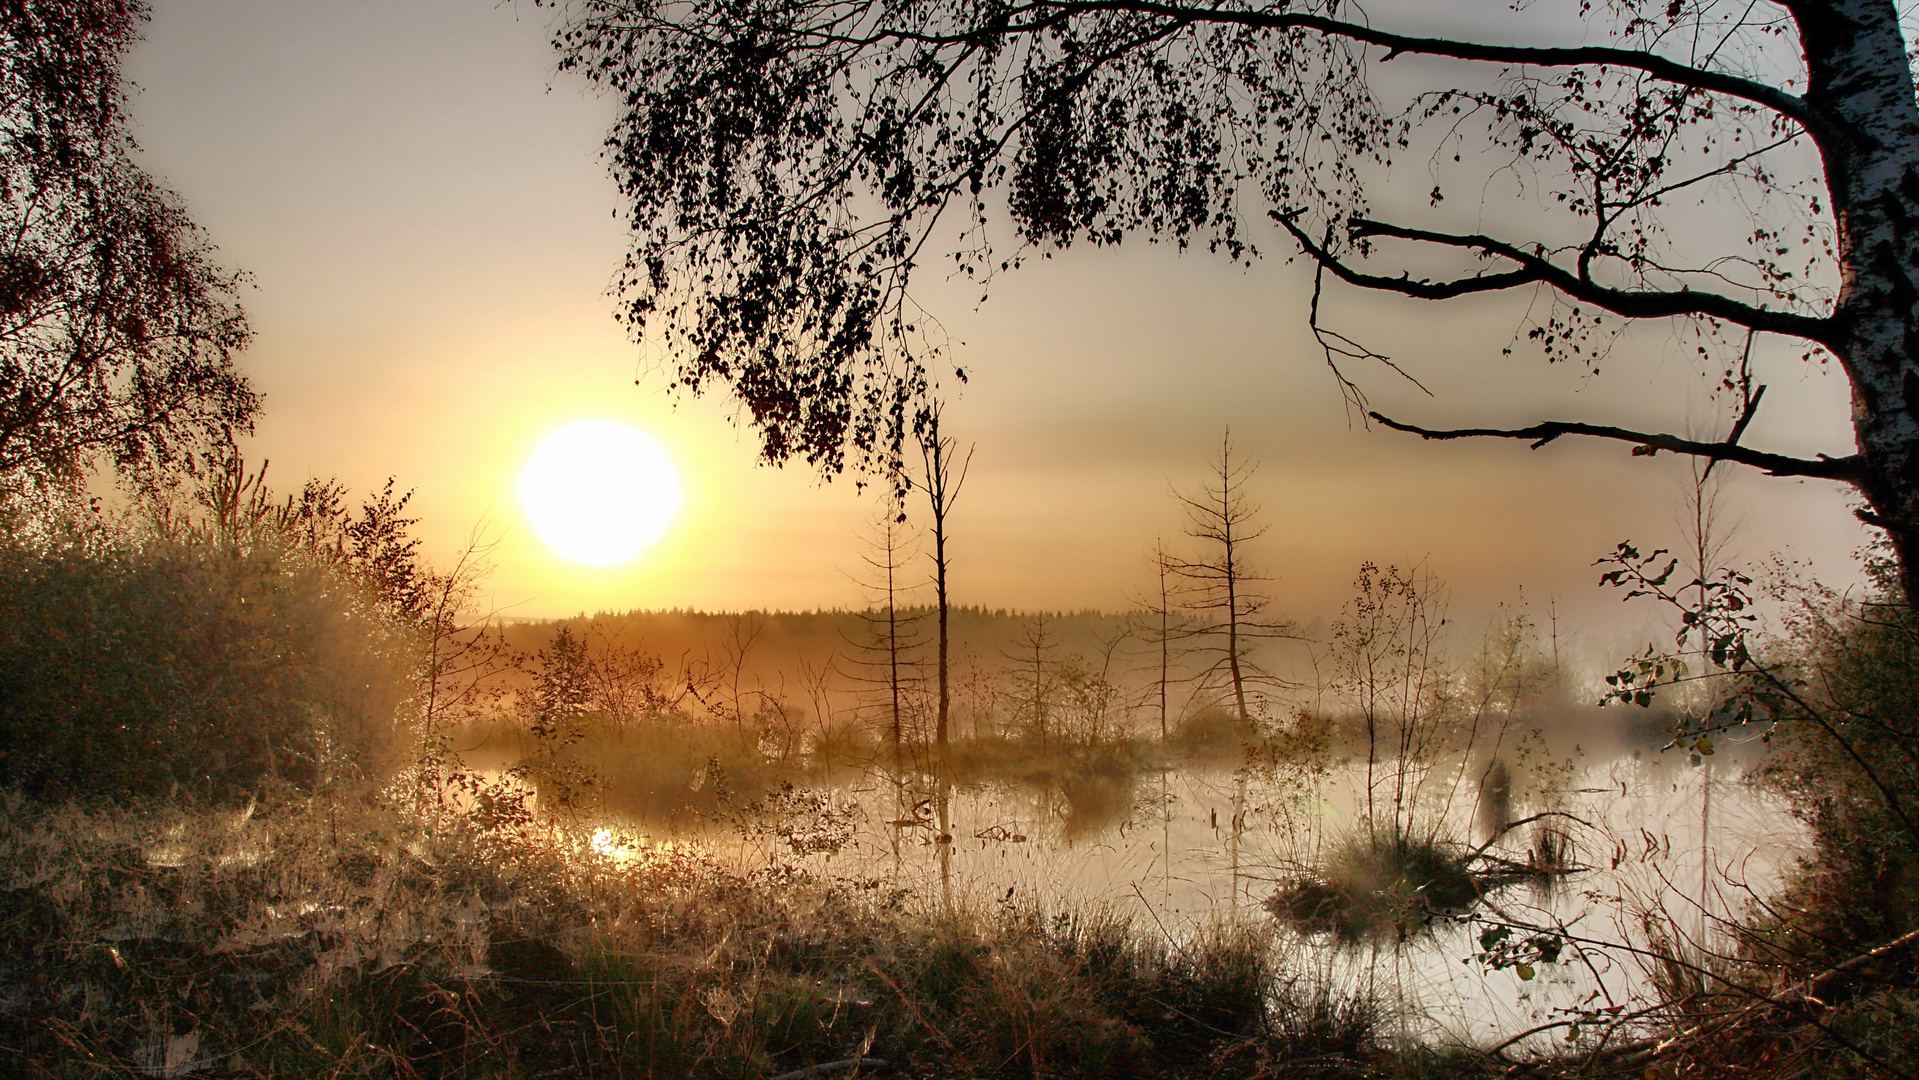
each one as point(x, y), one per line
point(598, 492)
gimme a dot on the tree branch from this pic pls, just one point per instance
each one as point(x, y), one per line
point(1849, 469)
point(1535, 268)
point(1035, 16)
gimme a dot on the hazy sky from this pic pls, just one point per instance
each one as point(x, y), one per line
point(431, 234)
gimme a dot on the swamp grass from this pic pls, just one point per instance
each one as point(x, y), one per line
point(382, 933)
point(347, 936)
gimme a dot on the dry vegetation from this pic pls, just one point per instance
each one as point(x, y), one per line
point(336, 936)
point(336, 892)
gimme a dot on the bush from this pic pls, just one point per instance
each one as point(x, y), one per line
point(1842, 691)
point(210, 652)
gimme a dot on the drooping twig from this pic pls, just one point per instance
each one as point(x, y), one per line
point(1336, 345)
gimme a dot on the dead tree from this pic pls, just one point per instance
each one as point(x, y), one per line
point(1033, 653)
point(1221, 582)
point(890, 641)
point(1162, 623)
point(943, 474)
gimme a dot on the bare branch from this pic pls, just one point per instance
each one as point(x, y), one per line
point(1535, 268)
point(1849, 469)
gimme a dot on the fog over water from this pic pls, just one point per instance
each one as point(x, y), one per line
point(1195, 845)
point(1573, 816)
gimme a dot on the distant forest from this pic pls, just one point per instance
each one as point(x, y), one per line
point(838, 662)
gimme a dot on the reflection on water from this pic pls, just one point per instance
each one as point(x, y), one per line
point(1177, 844)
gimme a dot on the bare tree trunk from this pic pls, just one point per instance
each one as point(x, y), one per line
point(1221, 518)
point(1227, 516)
point(945, 688)
point(939, 456)
point(1039, 680)
point(893, 648)
point(1165, 639)
point(1034, 647)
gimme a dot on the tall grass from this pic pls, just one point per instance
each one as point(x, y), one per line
point(335, 937)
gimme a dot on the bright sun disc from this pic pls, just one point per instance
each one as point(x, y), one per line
point(599, 492)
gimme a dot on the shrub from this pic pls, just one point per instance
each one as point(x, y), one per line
point(1842, 692)
point(209, 651)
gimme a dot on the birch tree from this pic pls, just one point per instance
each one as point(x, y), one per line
point(788, 169)
point(118, 327)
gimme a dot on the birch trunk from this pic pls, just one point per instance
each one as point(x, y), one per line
point(1866, 125)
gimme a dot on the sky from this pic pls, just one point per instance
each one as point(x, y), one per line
point(431, 235)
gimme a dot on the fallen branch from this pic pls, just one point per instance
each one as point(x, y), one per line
point(1510, 826)
point(1823, 981)
point(1800, 998)
point(831, 1067)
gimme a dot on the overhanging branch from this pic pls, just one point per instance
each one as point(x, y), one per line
point(1659, 67)
point(1849, 469)
point(1532, 267)
point(1034, 16)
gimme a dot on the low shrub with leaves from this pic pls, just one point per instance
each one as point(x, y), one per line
point(1823, 976)
point(207, 642)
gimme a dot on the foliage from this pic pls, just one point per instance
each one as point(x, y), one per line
point(1834, 695)
point(1824, 972)
point(1842, 691)
point(117, 329)
point(788, 169)
point(210, 644)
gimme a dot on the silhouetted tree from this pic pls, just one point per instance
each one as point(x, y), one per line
point(1221, 582)
point(1385, 655)
point(743, 632)
point(787, 168)
point(1032, 656)
point(943, 473)
point(627, 682)
point(117, 329)
point(1165, 625)
point(562, 683)
point(891, 633)
point(1090, 710)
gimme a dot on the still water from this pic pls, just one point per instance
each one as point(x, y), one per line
point(1663, 852)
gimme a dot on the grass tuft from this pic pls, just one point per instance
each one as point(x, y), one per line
point(1392, 884)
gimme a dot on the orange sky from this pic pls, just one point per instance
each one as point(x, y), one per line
point(431, 234)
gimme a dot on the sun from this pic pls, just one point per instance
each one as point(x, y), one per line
point(599, 492)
